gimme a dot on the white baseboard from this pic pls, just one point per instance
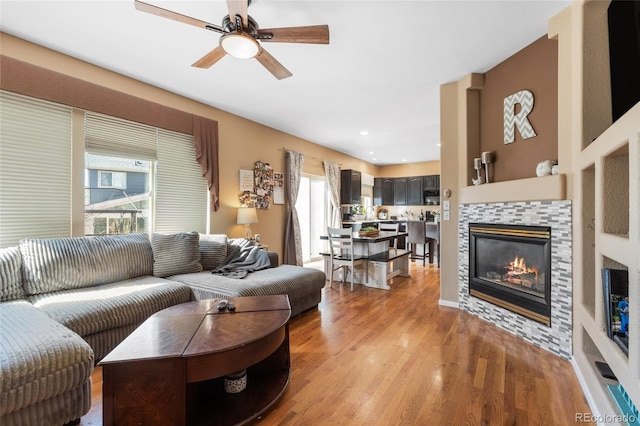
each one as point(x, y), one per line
point(448, 304)
point(585, 389)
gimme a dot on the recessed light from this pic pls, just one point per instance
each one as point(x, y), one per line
point(404, 160)
point(373, 159)
point(371, 153)
point(437, 144)
point(364, 133)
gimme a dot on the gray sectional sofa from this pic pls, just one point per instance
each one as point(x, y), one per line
point(67, 302)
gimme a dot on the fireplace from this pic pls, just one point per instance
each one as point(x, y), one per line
point(510, 266)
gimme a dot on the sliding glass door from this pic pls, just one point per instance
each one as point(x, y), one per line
point(312, 206)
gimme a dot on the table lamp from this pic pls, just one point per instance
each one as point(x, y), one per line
point(247, 216)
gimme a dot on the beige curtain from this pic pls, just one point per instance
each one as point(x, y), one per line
point(292, 237)
point(205, 140)
point(332, 172)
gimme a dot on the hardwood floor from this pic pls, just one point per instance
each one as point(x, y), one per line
point(375, 357)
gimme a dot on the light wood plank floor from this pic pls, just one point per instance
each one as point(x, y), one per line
point(375, 357)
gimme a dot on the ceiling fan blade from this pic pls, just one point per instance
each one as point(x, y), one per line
point(238, 7)
point(210, 58)
point(270, 63)
point(155, 10)
point(318, 34)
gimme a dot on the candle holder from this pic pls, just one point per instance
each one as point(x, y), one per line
point(477, 165)
point(487, 158)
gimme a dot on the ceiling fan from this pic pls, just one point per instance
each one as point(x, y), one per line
point(240, 35)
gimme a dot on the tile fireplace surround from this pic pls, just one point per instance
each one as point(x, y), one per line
point(557, 215)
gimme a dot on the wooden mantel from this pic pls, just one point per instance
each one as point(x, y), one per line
point(531, 189)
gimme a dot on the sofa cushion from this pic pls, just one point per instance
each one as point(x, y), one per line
point(57, 410)
point(213, 250)
point(56, 264)
point(39, 358)
point(10, 274)
point(176, 253)
point(92, 310)
point(295, 281)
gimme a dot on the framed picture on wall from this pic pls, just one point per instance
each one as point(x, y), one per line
point(278, 190)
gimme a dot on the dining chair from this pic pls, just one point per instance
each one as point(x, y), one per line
point(393, 227)
point(417, 234)
point(341, 254)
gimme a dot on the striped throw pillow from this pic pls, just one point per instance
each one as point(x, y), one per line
point(176, 253)
point(11, 274)
point(213, 250)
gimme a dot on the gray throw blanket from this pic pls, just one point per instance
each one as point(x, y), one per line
point(242, 259)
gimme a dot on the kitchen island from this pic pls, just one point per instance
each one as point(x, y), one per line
point(432, 232)
point(382, 263)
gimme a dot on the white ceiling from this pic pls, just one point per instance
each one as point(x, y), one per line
point(381, 71)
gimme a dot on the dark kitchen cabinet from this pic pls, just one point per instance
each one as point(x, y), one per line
point(431, 183)
point(415, 192)
point(387, 191)
point(377, 192)
point(403, 191)
point(400, 191)
point(350, 186)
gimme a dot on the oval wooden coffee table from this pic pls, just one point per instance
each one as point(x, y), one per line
point(170, 370)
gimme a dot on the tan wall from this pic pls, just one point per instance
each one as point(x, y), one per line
point(407, 170)
point(242, 142)
point(459, 135)
point(534, 68)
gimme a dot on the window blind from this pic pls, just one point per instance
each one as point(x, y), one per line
point(35, 169)
point(105, 135)
point(181, 191)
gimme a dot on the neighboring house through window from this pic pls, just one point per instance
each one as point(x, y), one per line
point(117, 200)
point(112, 179)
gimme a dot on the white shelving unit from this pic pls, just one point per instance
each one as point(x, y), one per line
point(610, 185)
point(603, 162)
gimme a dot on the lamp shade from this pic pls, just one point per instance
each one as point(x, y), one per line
point(247, 215)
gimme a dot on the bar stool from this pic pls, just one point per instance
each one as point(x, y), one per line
point(417, 231)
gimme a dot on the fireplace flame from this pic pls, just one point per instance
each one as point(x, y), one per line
point(519, 267)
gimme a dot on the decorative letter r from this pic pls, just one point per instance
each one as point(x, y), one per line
point(525, 99)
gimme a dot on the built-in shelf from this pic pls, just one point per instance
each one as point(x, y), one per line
point(551, 187)
point(588, 219)
point(608, 205)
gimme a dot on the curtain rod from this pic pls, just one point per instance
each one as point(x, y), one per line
point(320, 160)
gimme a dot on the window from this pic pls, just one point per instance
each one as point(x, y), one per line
point(35, 169)
point(181, 201)
point(141, 179)
point(117, 202)
point(119, 170)
point(137, 178)
point(312, 207)
point(112, 180)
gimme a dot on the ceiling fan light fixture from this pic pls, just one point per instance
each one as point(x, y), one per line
point(240, 45)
